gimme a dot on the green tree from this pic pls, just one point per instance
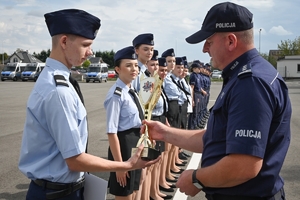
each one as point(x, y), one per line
point(43, 55)
point(290, 47)
point(3, 57)
point(107, 57)
point(86, 63)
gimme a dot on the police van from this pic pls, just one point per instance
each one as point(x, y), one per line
point(31, 70)
point(97, 72)
point(12, 71)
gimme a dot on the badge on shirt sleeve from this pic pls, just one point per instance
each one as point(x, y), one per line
point(60, 80)
point(118, 91)
point(245, 71)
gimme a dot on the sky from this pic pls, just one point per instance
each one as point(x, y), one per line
point(22, 23)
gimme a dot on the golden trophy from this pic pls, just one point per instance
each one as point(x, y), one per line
point(150, 91)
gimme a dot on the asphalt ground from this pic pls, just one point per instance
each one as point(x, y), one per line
point(13, 98)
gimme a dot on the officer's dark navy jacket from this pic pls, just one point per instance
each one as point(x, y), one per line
point(251, 116)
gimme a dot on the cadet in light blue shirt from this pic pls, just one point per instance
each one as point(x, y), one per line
point(144, 47)
point(124, 115)
point(55, 131)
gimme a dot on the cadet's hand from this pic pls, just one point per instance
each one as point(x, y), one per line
point(121, 178)
point(137, 163)
point(185, 183)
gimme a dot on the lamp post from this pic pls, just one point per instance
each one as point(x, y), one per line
point(259, 40)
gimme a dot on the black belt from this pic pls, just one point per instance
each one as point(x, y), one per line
point(278, 196)
point(63, 189)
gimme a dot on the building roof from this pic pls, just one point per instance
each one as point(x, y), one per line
point(24, 56)
point(96, 60)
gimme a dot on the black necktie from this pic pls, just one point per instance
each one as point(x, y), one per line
point(77, 89)
point(137, 103)
point(147, 73)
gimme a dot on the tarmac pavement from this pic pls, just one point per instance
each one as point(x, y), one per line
point(13, 98)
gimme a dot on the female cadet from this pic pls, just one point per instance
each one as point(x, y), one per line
point(173, 94)
point(159, 114)
point(123, 124)
point(182, 98)
point(144, 46)
point(152, 66)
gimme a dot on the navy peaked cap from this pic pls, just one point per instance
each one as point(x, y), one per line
point(162, 62)
point(168, 52)
point(223, 17)
point(195, 65)
point(72, 21)
point(155, 55)
point(125, 53)
point(179, 61)
point(146, 38)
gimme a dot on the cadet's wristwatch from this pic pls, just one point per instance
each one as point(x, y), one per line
point(196, 182)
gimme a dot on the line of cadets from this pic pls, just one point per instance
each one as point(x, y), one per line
point(182, 104)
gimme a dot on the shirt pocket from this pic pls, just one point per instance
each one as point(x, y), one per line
point(128, 110)
point(218, 123)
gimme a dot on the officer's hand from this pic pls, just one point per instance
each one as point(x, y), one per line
point(185, 183)
point(155, 129)
point(137, 163)
point(121, 178)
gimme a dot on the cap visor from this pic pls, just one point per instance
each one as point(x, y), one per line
point(198, 37)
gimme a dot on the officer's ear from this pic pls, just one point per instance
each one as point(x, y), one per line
point(231, 41)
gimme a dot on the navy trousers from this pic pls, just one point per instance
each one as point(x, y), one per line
point(36, 192)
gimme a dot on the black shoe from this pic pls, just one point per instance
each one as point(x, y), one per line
point(151, 198)
point(172, 181)
point(186, 155)
point(181, 156)
point(180, 171)
point(167, 197)
point(180, 164)
point(166, 189)
point(173, 186)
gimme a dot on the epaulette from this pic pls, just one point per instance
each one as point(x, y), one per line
point(245, 71)
point(118, 91)
point(60, 80)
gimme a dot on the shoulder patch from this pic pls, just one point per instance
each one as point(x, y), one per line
point(118, 91)
point(245, 71)
point(60, 80)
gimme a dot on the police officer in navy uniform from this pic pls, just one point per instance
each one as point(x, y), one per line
point(144, 48)
point(203, 97)
point(248, 131)
point(196, 92)
point(55, 131)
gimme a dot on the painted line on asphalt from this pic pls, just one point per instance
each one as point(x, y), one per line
point(193, 164)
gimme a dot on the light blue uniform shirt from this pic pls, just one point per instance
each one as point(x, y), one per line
point(171, 89)
point(159, 107)
point(186, 88)
point(182, 97)
point(55, 128)
point(121, 111)
point(136, 82)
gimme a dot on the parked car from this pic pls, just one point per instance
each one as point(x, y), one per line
point(216, 75)
point(112, 74)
